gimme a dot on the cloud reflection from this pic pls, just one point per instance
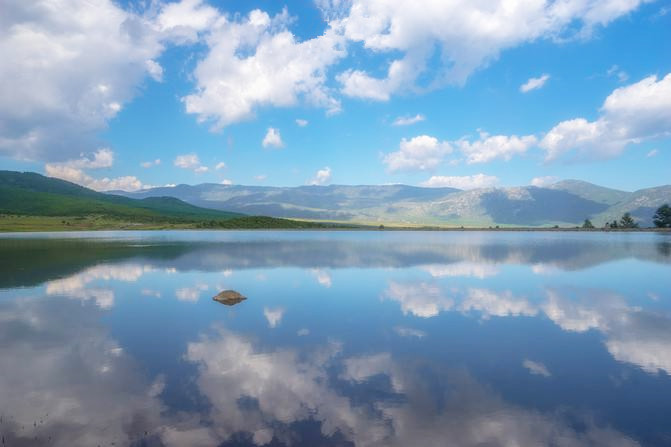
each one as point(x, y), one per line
point(263, 392)
point(631, 334)
point(65, 382)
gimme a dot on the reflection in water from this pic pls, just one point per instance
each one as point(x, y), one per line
point(65, 382)
point(32, 261)
point(632, 335)
point(263, 393)
point(366, 339)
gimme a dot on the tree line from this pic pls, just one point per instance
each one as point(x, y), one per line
point(661, 219)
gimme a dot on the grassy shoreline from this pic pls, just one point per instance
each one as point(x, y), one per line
point(20, 224)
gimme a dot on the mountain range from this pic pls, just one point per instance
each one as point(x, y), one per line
point(567, 202)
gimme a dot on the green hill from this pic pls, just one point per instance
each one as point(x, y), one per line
point(33, 194)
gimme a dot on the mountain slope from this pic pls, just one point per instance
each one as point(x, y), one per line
point(641, 204)
point(36, 195)
point(565, 203)
point(589, 191)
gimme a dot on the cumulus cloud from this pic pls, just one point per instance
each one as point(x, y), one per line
point(544, 181)
point(629, 115)
point(301, 122)
point(408, 120)
point(419, 153)
point(491, 147)
point(260, 177)
point(73, 171)
point(67, 70)
point(272, 138)
point(461, 182)
point(464, 36)
point(256, 62)
point(534, 83)
point(191, 162)
point(150, 164)
point(220, 165)
point(321, 177)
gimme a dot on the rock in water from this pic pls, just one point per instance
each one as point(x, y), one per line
point(229, 297)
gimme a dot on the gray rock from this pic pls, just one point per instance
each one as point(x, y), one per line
point(229, 297)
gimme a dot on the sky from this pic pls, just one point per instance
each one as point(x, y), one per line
point(461, 93)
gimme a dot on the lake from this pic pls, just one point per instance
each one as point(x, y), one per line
point(345, 338)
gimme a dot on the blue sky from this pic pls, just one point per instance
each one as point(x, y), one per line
point(96, 92)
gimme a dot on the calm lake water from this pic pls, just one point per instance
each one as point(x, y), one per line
point(346, 338)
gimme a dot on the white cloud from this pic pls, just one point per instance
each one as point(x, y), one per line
point(491, 147)
point(408, 120)
point(301, 122)
point(462, 35)
point(536, 368)
point(273, 138)
point(256, 62)
point(220, 165)
point(621, 75)
point(273, 316)
point(184, 20)
point(534, 83)
point(652, 153)
point(67, 70)
point(73, 171)
point(321, 177)
point(150, 164)
point(260, 177)
point(544, 181)
point(419, 153)
point(226, 182)
point(629, 115)
point(462, 182)
point(190, 161)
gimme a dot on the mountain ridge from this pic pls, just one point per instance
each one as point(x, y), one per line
point(566, 202)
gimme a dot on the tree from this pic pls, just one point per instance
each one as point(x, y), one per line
point(662, 217)
point(613, 224)
point(587, 224)
point(627, 221)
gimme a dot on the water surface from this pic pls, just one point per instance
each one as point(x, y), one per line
point(346, 338)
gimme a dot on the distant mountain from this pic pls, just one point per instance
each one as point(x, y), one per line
point(27, 193)
point(567, 202)
point(591, 192)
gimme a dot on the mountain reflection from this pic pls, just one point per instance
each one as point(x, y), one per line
point(26, 262)
point(375, 339)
